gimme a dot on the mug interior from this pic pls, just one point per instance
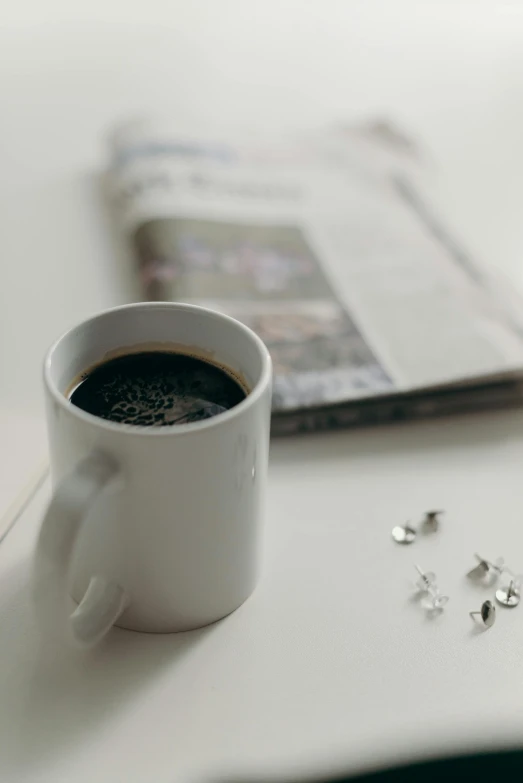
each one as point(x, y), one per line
point(157, 326)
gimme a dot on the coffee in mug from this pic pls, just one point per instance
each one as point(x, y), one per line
point(157, 389)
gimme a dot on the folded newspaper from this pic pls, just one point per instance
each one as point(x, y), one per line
point(324, 246)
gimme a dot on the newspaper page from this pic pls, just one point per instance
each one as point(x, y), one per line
point(324, 246)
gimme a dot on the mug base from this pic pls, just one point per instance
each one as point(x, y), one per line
point(176, 627)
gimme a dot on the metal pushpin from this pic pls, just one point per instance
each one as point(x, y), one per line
point(434, 601)
point(403, 534)
point(487, 569)
point(426, 581)
point(487, 614)
point(431, 521)
point(406, 534)
point(509, 595)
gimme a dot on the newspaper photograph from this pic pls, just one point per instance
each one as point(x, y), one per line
point(268, 277)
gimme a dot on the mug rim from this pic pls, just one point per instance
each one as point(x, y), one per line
point(181, 429)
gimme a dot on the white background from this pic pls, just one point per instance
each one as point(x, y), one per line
point(331, 662)
point(450, 73)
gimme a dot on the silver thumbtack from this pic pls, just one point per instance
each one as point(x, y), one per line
point(434, 601)
point(431, 521)
point(487, 569)
point(509, 595)
point(406, 534)
point(487, 614)
point(427, 581)
point(403, 534)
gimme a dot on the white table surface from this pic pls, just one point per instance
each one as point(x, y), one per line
point(330, 663)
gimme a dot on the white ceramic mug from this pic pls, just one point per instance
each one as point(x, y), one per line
point(152, 529)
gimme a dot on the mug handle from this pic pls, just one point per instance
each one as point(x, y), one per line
point(104, 601)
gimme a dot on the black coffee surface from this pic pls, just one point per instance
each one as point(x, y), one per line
point(157, 389)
